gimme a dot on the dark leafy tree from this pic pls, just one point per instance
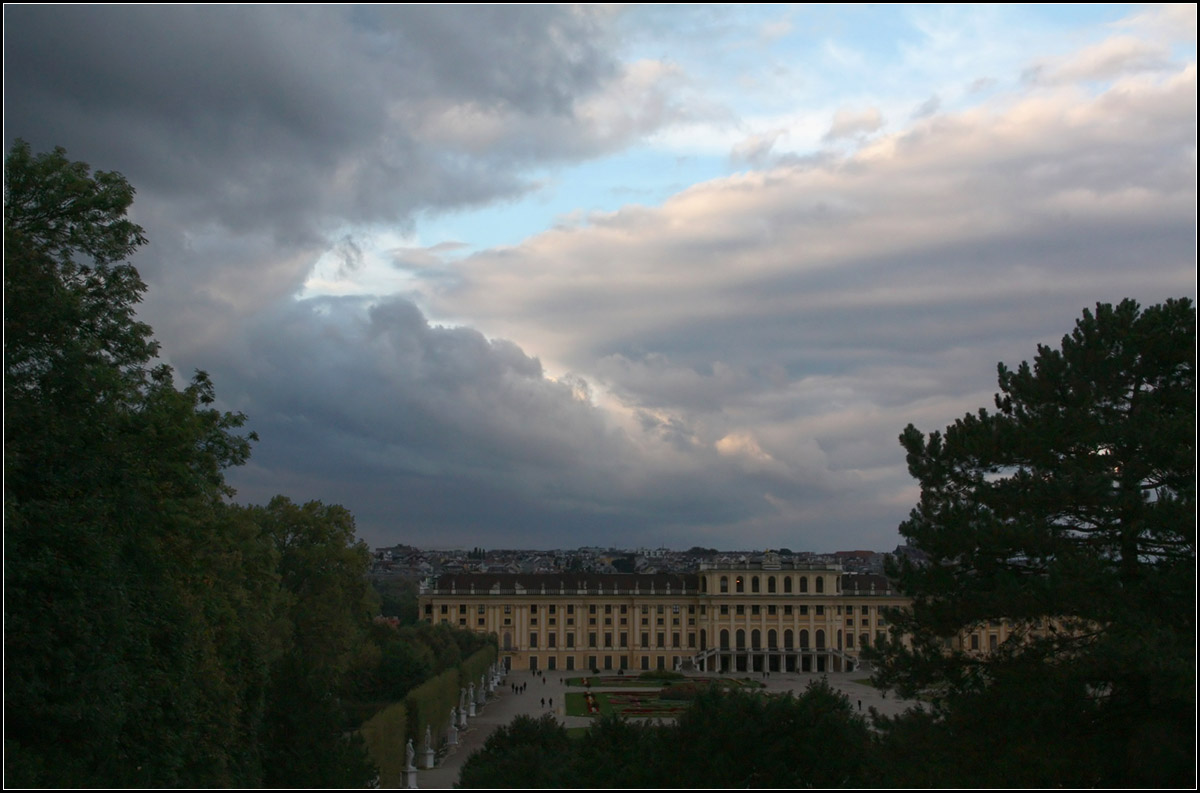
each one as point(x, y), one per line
point(398, 598)
point(329, 606)
point(1069, 512)
point(736, 739)
point(122, 562)
point(727, 739)
point(527, 753)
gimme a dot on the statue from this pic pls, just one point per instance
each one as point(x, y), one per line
point(409, 754)
point(428, 737)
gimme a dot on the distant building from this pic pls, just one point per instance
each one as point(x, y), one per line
point(755, 615)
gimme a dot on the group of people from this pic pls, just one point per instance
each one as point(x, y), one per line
point(520, 689)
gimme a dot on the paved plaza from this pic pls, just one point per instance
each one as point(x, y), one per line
point(505, 706)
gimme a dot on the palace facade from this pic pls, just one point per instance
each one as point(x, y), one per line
point(764, 615)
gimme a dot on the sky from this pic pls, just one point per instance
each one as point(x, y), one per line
point(633, 276)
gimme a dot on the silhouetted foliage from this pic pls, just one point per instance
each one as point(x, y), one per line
point(1070, 514)
point(527, 753)
point(155, 636)
point(729, 739)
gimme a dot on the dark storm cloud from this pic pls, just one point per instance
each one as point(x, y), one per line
point(283, 115)
point(256, 136)
point(432, 431)
point(267, 130)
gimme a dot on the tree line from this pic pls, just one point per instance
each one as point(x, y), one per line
point(156, 634)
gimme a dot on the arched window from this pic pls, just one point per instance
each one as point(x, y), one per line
point(756, 639)
point(741, 639)
point(754, 584)
point(820, 640)
point(804, 640)
point(703, 639)
point(741, 585)
point(724, 584)
point(839, 640)
point(704, 584)
point(787, 585)
point(803, 583)
point(770, 585)
point(787, 640)
point(724, 640)
point(772, 639)
point(820, 585)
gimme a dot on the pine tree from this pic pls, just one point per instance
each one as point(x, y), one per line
point(1069, 513)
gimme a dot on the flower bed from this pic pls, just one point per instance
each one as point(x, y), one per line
point(615, 681)
point(638, 704)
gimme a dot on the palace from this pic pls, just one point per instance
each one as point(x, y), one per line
point(758, 616)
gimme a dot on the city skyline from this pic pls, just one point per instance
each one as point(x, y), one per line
point(534, 277)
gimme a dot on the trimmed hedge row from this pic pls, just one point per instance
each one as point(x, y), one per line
point(429, 704)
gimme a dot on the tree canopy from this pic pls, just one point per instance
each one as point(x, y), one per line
point(155, 634)
point(1069, 514)
point(726, 739)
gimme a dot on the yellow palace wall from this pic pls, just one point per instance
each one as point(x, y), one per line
point(748, 618)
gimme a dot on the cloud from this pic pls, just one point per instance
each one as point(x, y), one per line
point(815, 309)
point(730, 367)
point(755, 149)
point(252, 128)
point(1110, 58)
point(424, 428)
point(853, 123)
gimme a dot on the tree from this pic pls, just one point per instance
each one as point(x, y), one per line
point(329, 608)
point(527, 753)
point(122, 562)
point(1068, 513)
